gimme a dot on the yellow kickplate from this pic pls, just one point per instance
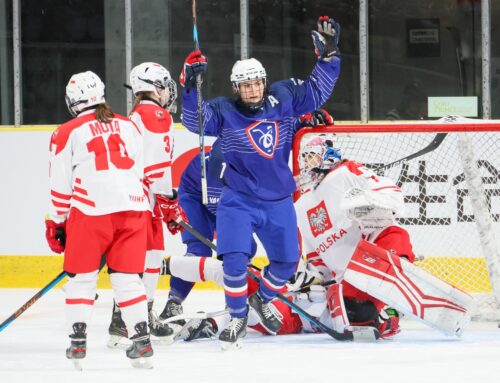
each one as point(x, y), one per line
point(36, 271)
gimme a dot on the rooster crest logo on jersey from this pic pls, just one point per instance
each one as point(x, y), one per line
point(318, 218)
point(263, 136)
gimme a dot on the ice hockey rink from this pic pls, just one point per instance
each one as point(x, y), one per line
point(32, 350)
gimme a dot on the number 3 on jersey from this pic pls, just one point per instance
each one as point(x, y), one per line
point(114, 148)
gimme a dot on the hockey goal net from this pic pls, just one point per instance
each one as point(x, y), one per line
point(451, 189)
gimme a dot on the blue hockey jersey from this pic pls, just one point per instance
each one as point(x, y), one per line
point(191, 177)
point(256, 144)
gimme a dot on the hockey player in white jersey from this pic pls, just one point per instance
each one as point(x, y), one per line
point(155, 94)
point(349, 233)
point(97, 206)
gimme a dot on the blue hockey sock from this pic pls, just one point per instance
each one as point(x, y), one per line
point(274, 278)
point(235, 283)
point(179, 289)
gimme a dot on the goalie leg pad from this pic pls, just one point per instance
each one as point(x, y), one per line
point(409, 289)
point(338, 313)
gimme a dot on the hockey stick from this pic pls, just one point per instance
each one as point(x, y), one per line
point(198, 315)
point(196, 234)
point(357, 333)
point(40, 294)
point(32, 300)
point(201, 132)
point(438, 139)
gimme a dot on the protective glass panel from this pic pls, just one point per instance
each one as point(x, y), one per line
point(426, 48)
point(6, 91)
point(280, 36)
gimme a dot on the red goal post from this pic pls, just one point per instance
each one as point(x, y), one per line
point(451, 185)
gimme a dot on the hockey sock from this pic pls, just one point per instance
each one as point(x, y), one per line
point(274, 278)
point(130, 296)
point(80, 296)
point(235, 283)
point(179, 289)
point(152, 272)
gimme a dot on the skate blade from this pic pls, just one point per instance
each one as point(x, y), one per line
point(119, 342)
point(142, 363)
point(364, 333)
point(230, 346)
point(77, 364)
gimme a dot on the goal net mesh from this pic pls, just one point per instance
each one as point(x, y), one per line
point(438, 214)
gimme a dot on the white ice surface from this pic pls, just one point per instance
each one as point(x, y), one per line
point(32, 350)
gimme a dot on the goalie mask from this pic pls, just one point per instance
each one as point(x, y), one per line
point(318, 156)
point(152, 77)
point(83, 91)
point(244, 73)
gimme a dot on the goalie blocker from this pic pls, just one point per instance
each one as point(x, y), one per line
point(409, 289)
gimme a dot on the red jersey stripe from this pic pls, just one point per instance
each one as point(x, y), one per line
point(60, 195)
point(80, 190)
point(83, 200)
point(161, 165)
point(60, 204)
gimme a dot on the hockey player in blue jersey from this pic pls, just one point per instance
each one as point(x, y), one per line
point(256, 131)
point(201, 217)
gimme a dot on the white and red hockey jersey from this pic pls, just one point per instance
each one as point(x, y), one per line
point(156, 127)
point(96, 167)
point(329, 237)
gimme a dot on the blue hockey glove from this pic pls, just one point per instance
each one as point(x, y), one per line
point(326, 38)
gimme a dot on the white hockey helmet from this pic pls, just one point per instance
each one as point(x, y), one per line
point(83, 91)
point(248, 69)
point(153, 77)
point(318, 155)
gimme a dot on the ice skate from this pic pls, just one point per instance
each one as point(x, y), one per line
point(173, 309)
point(118, 335)
point(77, 350)
point(231, 337)
point(159, 331)
point(268, 314)
point(198, 329)
point(141, 352)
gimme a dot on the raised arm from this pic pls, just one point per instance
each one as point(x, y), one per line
point(312, 93)
point(196, 64)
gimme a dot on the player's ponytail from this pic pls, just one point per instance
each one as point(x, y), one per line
point(137, 100)
point(104, 113)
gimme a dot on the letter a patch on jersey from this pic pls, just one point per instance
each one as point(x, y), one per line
point(318, 218)
point(264, 136)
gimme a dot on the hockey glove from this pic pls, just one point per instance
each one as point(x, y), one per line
point(199, 329)
point(56, 235)
point(194, 65)
point(305, 276)
point(170, 212)
point(317, 118)
point(326, 38)
point(388, 325)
